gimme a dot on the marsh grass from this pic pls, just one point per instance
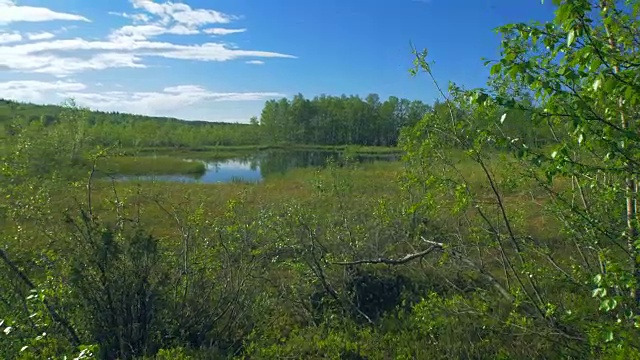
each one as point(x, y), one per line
point(149, 165)
point(366, 181)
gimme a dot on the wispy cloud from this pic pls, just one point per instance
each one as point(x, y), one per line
point(162, 102)
point(144, 32)
point(223, 31)
point(11, 12)
point(153, 102)
point(40, 36)
point(6, 38)
point(30, 90)
point(53, 56)
point(182, 13)
point(255, 62)
point(137, 18)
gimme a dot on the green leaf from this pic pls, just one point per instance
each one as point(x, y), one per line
point(597, 84)
point(629, 93)
point(597, 279)
point(609, 84)
point(609, 336)
point(571, 37)
point(496, 69)
point(599, 292)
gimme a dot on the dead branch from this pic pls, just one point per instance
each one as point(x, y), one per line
point(402, 260)
point(438, 246)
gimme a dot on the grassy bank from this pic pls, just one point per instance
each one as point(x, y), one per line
point(149, 165)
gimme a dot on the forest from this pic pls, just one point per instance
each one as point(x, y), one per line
point(325, 120)
point(332, 120)
point(508, 230)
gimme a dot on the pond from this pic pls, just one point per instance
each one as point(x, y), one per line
point(254, 168)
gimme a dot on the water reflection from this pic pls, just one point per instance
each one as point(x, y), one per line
point(254, 168)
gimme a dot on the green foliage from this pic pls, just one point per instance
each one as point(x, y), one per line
point(341, 120)
point(555, 75)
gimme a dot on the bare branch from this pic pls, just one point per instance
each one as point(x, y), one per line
point(402, 260)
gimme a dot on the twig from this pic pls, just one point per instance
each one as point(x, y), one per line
point(402, 260)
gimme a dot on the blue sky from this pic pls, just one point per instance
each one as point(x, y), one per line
point(219, 60)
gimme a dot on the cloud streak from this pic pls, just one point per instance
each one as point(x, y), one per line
point(52, 56)
point(30, 90)
point(169, 100)
point(40, 36)
point(223, 31)
point(10, 12)
point(159, 103)
point(6, 38)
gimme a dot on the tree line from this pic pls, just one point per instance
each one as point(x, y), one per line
point(130, 130)
point(337, 120)
point(324, 120)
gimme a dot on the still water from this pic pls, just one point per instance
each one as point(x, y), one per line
point(254, 168)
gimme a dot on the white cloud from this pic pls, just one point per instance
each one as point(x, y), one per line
point(169, 100)
point(255, 62)
point(52, 56)
point(127, 46)
point(161, 103)
point(65, 66)
point(170, 18)
point(10, 12)
point(223, 31)
point(6, 38)
point(182, 13)
point(31, 90)
point(143, 32)
point(137, 18)
point(40, 36)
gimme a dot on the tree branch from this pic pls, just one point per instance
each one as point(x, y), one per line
point(402, 260)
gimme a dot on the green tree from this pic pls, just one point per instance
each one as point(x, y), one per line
point(573, 81)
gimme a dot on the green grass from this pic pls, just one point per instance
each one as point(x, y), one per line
point(149, 165)
point(367, 180)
